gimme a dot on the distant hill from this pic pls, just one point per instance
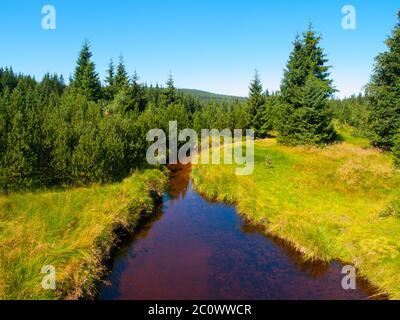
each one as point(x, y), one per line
point(205, 96)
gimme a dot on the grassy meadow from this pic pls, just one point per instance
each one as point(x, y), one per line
point(72, 230)
point(333, 203)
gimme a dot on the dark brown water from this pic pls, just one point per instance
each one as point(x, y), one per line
point(197, 249)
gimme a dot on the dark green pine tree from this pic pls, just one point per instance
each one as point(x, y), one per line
point(156, 96)
point(170, 95)
point(126, 94)
point(110, 73)
point(270, 114)
point(86, 80)
point(138, 93)
point(256, 105)
point(121, 79)
point(8, 79)
point(384, 92)
point(315, 60)
point(109, 89)
point(294, 74)
point(306, 87)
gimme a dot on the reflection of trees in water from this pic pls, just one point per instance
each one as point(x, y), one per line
point(180, 178)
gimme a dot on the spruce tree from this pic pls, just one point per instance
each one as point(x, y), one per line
point(170, 92)
point(8, 79)
point(86, 80)
point(270, 114)
point(110, 86)
point(256, 105)
point(294, 74)
point(306, 87)
point(110, 73)
point(384, 92)
point(138, 93)
point(121, 79)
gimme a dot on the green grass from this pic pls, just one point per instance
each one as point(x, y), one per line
point(327, 203)
point(72, 230)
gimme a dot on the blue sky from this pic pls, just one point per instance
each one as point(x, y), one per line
point(212, 45)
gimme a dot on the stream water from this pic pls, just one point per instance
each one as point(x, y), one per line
point(198, 249)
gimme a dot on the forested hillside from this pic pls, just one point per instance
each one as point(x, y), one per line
point(206, 97)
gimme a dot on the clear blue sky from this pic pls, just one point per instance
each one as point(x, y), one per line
point(213, 45)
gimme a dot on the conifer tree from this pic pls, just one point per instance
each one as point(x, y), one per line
point(137, 93)
point(109, 89)
point(121, 79)
point(256, 104)
point(305, 89)
point(110, 73)
point(384, 92)
point(170, 92)
point(8, 79)
point(86, 80)
point(270, 114)
point(156, 96)
point(294, 74)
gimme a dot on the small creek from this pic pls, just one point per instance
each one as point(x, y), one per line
point(198, 249)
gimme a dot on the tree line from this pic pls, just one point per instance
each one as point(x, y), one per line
point(57, 134)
